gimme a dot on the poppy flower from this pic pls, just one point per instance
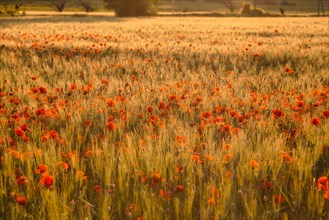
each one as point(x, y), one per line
point(24, 127)
point(277, 113)
point(81, 175)
point(233, 113)
point(45, 138)
point(42, 169)
point(40, 111)
point(180, 139)
point(110, 103)
point(228, 157)
point(323, 183)
point(162, 105)
point(21, 181)
point(254, 164)
point(42, 90)
point(87, 123)
point(266, 184)
point(326, 195)
point(53, 134)
point(21, 200)
point(325, 114)
point(278, 199)
point(198, 99)
point(155, 177)
point(63, 164)
point(226, 128)
point(206, 115)
point(73, 87)
point(98, 189)
point(110, 126)
point(226, 147)
point(47, 181)
point(150, 109)
point(288, 70)
point(180, 188)
point(196, 158)
point(315, 121)
point(19, 132)
point(161, 193)
point(286, 158)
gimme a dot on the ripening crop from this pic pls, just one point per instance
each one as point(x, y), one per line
point(164, 118)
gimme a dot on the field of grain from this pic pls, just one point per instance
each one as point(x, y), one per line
point(164, 118)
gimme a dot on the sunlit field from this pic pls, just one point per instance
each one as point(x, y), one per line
point(164, 118)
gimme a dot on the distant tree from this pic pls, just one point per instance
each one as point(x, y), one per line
point(124, 8)
point(86, 6)
point(10, 9)
point(60, 5)
point(229, 5)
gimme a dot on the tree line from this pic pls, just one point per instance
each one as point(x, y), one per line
point(123, 8)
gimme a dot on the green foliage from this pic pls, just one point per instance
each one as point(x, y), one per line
point(125, 8)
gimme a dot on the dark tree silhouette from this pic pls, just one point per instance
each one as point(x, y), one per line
point(60, 5)
point(86, 6)
point(229, 5)
point(124, 8)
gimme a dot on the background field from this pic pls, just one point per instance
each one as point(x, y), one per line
point(164, 118)
point(294, 7)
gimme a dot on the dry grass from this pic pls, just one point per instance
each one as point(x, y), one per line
point(163, 118)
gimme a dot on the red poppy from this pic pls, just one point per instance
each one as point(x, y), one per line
point(254, 164)
point(198, 99)
point(110, 103)
point(53, 134)
point(206, 115)
point(24, 127)
point(288, 70)
point(42, 90)
point(233, 113)
point(47, 181)
point(41, 169)
point(81, 175)
point(323, 183)
point(162, 105)
point(21, 181)
point(73, 87)
point(180, 188)
point(315, 121)
point(63, 164)
point(19, 132)
point(21, 200)
point(180, 139)
point(325, 114)
point(45, 138)
point(278, 199)
point(110, 126)
point(150, 109)
point(40, 111)
point(326, 195)
point(286, 158)
point(277, 113)
point(266, 184)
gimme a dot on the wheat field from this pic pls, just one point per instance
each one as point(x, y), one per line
point(164, 118)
